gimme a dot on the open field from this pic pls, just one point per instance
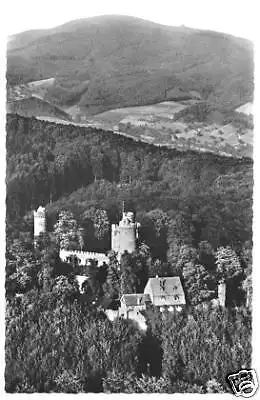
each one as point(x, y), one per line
point(43, 83)
point(156, 124)
point(34, 88)
point(150, 113)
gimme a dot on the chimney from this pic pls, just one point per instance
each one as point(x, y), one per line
point(222, 293)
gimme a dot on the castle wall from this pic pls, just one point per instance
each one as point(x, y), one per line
point(84, 256)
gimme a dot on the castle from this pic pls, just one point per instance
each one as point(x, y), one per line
point(166, 293)
point(123, 238)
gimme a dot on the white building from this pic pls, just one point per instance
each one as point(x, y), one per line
point(166, 292)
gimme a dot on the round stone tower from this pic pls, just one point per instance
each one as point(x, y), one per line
point(127, 228)
point(125, 234)
point(39, 221)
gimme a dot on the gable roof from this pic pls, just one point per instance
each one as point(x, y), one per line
point(135, 299)
point(245, 109)
point(165, 291)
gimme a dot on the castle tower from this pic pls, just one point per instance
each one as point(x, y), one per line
point(125, 234)
point(39, 221)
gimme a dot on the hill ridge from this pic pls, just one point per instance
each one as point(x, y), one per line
point(106, 62)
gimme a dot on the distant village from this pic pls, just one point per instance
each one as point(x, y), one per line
point(166, 293)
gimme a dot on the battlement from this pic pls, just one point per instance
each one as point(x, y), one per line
point(127, 219)
point(41, 212)
point(84, 256)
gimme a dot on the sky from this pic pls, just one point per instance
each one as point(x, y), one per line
point(236, 17)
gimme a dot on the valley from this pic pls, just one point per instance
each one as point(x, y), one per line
point(161, 124)
point(157, 124)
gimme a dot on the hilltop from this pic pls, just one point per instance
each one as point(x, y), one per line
point(107, 62)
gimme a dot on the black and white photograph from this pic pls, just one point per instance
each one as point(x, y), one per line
point(130, 244)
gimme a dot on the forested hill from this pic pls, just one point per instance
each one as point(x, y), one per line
point(113, 61)
point(195, 214)
point(77, 168)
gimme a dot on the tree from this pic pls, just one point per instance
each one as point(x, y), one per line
point(228, 264)
point(144, 250)
point(160, 220)
point(141, 265)
point(67, 382)
point(214, 387)
point(158, 232)
point(67, 231)
point(158, 268)
point(65, 289)
point(246, 256)
point(87, 221)
point(247, 284)
point(111, 287)
point(205, 343)
point(180, 256)
point(119, 383)
point(101, 224)
point(97, 163)
point(96, 278)
point(128, 275)
point(66, 344)
point(206, 255)
point(198, 283)
point(179, 234)
point(22, 268)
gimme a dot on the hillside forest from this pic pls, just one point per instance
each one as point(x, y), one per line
point(106, 62)
point(195, 211)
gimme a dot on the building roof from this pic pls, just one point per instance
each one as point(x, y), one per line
point(245, 109)
point(165, 291)
point(135, 299)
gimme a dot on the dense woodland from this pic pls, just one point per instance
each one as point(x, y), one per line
point(195, 212)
